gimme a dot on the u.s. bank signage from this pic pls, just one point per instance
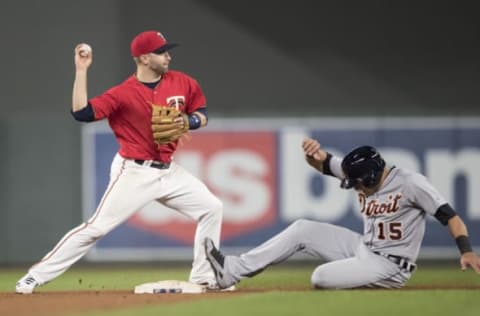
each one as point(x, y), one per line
point(257, 168)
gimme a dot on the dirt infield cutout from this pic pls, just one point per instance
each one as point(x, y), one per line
point(61, 303)
point(50, 303)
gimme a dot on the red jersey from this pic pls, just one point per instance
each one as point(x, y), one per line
point(128, 107)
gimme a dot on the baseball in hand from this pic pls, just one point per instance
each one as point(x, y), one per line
point(84, 50)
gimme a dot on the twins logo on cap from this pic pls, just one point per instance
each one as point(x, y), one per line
point(150, 42)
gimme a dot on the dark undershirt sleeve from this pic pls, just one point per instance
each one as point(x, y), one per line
point(203, 111)
point(84, 115)
point(444, 213)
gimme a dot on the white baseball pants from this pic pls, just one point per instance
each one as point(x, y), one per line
point(131, 187)
point(350, 264)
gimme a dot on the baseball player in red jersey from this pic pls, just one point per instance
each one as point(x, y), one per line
point(143, 170)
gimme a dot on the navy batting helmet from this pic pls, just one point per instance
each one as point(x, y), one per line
point(363, 165)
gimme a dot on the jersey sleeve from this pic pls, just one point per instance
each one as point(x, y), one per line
point(336, 167)
point(196, 98)
point(105, 104)
point(423, 194)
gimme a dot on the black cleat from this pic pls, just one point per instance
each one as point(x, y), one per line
point(217, 262)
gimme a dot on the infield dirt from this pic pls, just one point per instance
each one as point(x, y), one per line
point(52, 303)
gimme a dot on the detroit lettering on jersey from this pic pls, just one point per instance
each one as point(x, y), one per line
point(376, 207)
point(128, 108)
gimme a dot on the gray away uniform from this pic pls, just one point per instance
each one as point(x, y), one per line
point(394, 225)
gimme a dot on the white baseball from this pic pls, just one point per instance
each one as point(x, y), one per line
point(85, 50)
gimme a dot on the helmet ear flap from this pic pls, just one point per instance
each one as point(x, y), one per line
point(373, 177)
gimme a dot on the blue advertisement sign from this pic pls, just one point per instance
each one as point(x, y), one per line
point(260, 174)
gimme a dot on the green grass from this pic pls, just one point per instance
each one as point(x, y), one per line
point(100, 278)
point(275, 301)
point(382, 303)
point(118, 278)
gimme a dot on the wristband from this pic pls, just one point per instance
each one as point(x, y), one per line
point(194, 121)
point(463, 244)
point(326, 165)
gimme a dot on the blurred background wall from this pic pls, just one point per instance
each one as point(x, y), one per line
point(253, 59)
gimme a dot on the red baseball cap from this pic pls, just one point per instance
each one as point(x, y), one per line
point(150, 42)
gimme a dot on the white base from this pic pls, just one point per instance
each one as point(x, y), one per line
point(169, 287)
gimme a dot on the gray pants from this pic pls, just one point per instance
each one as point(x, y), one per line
point(350, 263)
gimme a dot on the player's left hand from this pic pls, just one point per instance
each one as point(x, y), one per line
point(180, 121)
point(168, 124)
point(470, 259)
point(311, 148)
point(314, 155)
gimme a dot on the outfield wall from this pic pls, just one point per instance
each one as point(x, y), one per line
point(310, 58)
point(257, 169)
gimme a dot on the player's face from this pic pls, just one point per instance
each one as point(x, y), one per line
point(359, 187)
point(159, 62)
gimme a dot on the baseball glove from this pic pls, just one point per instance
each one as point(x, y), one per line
point(168, 124)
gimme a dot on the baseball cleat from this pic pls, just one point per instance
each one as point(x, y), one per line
point(26, 285)
point(217, 261)
point(214, 287)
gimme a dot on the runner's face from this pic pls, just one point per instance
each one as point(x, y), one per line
point(359, 187)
